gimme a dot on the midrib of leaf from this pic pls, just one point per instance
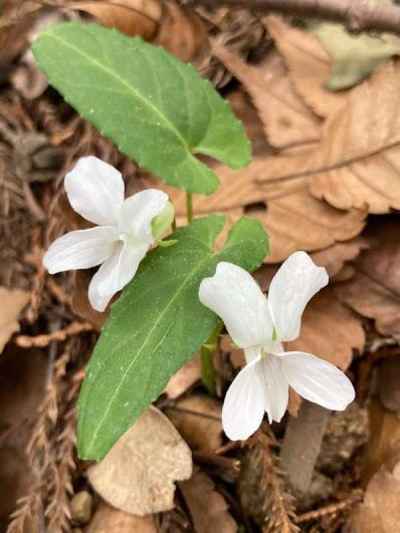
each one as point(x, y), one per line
point(340, 164)
point(125, 84)
point(161, 316)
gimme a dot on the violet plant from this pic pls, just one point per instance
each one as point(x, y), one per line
point(159, 112)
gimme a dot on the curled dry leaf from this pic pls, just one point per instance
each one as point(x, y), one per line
point(294, 219)
point(184, 378)
point(287, 120)
point(374, 290)
point(384, 442)
point(335, 344)
point(309, 65)
point(380, 510)
point(108, 519)
point(336, 257)
point(12, 303)
point(207, 506)
point(133, 17)
point(198, 420)
point(169, 24)
point(138, 474)
point(357, 162)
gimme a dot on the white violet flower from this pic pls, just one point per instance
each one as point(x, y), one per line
point(259, 325)
point(125, 231)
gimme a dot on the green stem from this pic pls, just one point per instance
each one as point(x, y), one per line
point(207, 363)
point(174, 224)
point(189, 207)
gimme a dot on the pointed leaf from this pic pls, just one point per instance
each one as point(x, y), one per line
point(156, 326)
point(154, 107)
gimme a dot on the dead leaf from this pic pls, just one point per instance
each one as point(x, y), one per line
point(294, 219)
point(374, 291)
point(80, 301)
point(184, 378)
point(336, 257)
point(380, 510)
point(309, 65)
point(170, 25)
point(138, 473)
point(384, 441)
point(133, 17)
point(12, 303)
point(287, 120)
point(207, 506)
point(357, 163)
point(107, 519)
point(198, 420)
point(318, 335)
point(22, 386)
point(389, 383)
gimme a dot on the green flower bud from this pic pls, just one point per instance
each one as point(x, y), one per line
point(161, 223)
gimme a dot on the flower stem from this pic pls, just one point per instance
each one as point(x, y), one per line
point(189, 207)
point(174, 224)
point(207, 364)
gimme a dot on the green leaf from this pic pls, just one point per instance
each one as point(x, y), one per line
point(156, 326)
point(158, 110)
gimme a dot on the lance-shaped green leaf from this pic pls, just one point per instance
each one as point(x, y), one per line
point(156, 326)
point(158, 110)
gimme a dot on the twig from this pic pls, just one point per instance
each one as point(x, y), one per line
point(356, 15)
point(331, 509)
point(40, 341)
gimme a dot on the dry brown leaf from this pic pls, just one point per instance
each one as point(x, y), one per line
point(12, 303)
point(374, 291)
point(198, 420)
point(357, 162)
point(287, 120)
point(335, 258)
point(247, 114)
point(380, 510)
point(133, 17)
point(309, 65)
point(138, 473)
point(384, 441)
point(107, 519)
point(168, 24)
point(182, 380)
point(329, 330)
point(207, 507)
point(294, 219)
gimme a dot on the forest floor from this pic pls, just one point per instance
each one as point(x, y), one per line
point(323, 117)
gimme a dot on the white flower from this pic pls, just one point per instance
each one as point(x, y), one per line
point(258, 325)
point(124, 231)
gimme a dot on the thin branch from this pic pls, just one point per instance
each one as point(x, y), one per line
point(356, 15)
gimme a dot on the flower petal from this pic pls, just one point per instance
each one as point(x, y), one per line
point(80, 249)
point(292, 287)
point(95, 190)
point(114, 274)
point(317, 380)
point(234, 295)
point(276, 388)
point(243, 408)
point(139, 210)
